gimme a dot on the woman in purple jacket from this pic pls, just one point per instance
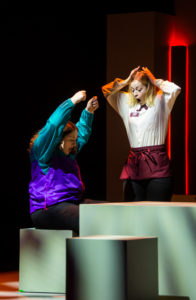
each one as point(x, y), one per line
point(56, 188)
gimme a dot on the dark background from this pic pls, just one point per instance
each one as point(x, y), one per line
point(44, 60)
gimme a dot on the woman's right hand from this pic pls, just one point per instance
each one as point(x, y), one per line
point(78, 97)
point(131, 75)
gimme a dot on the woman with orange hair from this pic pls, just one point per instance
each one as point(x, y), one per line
point(144, 107)
point(56, 188)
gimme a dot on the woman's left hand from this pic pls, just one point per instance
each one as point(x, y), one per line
point(92, 104)
point(149, 74)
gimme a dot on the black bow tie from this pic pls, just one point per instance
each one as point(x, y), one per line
point(142, 106)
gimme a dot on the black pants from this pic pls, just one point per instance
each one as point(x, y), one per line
point(156, 189)
point(64, 215)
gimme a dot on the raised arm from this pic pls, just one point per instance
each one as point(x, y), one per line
point(50, 135)
point(112, 90)
point(170, 89)
point(84, 125)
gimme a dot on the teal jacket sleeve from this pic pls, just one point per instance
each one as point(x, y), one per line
point(84, 126)
point(51, 134)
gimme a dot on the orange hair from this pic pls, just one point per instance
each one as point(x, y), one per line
point(68, 129)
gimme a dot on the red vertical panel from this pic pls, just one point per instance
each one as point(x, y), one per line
point(169, 125)
point(187, 125)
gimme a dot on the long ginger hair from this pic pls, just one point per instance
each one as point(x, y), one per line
point(68, 129)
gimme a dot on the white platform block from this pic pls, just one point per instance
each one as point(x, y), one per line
point(42, 264)
point(173, 223)
point(112, 268)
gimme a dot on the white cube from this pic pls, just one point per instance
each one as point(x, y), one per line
point(112, 268)
point(42, 264)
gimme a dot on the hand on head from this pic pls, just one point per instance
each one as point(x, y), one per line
point(131, 75)
point(149, 74)
point(134, 71)
point(145, 70)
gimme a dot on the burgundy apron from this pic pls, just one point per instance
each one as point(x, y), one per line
point(147, 162)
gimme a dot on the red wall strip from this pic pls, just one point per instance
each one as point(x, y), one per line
point(187, 125)
point(169, 125)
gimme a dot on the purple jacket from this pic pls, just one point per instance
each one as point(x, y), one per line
point(55, 177)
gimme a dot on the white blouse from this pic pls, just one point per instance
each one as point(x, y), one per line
point(145, 127)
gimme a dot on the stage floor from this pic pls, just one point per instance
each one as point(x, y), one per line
point(9, 286)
